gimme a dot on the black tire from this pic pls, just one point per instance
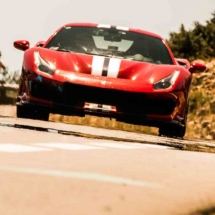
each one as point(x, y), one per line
point(32, 113)
point(176, 131)
point(41, 114)
point(22, 112)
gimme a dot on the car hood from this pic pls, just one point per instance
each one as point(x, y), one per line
point(107, 67)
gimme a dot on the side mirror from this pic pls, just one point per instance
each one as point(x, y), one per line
point(21, 45)
point(196, 67)
point(40, 44)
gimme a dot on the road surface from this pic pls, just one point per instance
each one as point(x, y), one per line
point(53, 173)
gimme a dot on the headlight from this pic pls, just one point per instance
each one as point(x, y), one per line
point(43, 65)
point(166, 82)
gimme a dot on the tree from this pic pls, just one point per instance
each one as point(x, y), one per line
point(196, 43)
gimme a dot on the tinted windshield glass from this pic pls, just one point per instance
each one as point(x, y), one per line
point(111, 42)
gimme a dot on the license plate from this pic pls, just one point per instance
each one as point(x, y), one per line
point(99, 107)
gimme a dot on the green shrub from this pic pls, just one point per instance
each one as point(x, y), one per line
point(198, 100)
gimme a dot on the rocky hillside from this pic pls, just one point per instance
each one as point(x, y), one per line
point(201, 117)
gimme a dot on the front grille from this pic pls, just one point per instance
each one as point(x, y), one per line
point(149, 106)
point(127, 102)
point(45, 91)
point(74, 93)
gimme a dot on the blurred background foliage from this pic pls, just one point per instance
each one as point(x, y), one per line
point(196, 43)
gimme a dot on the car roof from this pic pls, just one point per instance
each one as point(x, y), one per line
point(120, 27)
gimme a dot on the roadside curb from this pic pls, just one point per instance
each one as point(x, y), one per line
point(105, 134)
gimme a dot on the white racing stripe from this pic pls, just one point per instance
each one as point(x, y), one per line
point(113, 68)
point(82, 175)
point(123, 28)
point(13, 148)
point(97, 65)
point(103, 26)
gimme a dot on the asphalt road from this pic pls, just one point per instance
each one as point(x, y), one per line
point(51, 173)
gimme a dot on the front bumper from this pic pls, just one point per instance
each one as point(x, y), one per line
point(149, 108)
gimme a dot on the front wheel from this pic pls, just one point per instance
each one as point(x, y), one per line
point(175, 130)
point(31, 113)
point(172, 131)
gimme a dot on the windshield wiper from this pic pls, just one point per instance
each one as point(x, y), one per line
point(105, 55)
point(59, 49)
point(91, 53)
point(63, 50)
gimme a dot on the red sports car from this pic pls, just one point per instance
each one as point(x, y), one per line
point(118, 72)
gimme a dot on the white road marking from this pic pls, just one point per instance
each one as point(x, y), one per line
point(82, 175)
point(67, 146)
point(150, 146)
point(117, 145)
point(157, 146)
point(97, 65)
point(52, 130)
point(13, 148)
point(36, 147)
point(113, 68)
point(8, 124)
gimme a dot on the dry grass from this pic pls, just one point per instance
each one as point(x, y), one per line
point(102, 122)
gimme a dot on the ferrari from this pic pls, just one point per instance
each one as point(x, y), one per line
point(126, 74)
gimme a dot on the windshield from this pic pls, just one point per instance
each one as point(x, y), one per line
point(111, 42)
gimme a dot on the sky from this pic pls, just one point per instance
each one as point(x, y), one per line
point(36, 20)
